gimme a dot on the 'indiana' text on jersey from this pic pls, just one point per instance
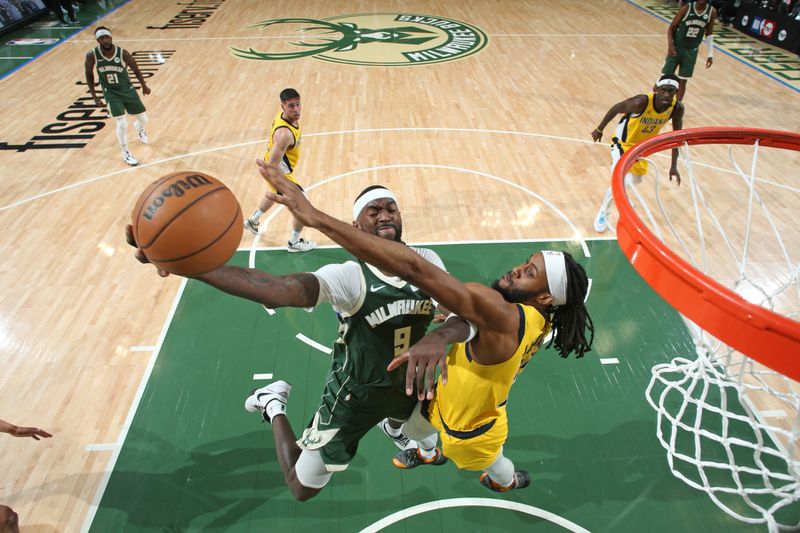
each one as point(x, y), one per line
point(634, 128)
point(391, 318)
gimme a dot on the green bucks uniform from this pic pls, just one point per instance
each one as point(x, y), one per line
point(359, 392)
point(117, 88)
point(688, 36)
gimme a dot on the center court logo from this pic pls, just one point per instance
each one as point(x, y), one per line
point(371, 39)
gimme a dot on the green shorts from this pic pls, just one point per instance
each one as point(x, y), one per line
point(684, 61)
point(121, 102)
point(345, 416)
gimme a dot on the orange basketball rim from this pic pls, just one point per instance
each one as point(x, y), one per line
point(770, 338)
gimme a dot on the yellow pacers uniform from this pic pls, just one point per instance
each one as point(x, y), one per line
point(633, 129)
point(470, 411)
point(292, 155)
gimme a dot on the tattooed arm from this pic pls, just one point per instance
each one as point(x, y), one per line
point(293, 290)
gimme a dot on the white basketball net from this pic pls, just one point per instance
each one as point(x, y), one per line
point(730, 426)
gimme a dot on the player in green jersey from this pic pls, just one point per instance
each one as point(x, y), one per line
point(380, 318)
point(692, 23)
point(112, 64)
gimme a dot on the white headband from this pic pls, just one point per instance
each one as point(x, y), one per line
point(556, 275)
point(366, 198)
point(667, 82)
point(101, 32)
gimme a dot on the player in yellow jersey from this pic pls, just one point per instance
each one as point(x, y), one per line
point(644, 116)
point(508, 323)
point(283, 152)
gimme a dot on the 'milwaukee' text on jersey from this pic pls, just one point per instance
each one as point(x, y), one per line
point(397, 308)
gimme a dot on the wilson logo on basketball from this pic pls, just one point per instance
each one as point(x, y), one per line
point(374, 39)
point(175, 190)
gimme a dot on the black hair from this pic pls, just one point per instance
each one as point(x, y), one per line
point(365, 191)
point(672, 77)
point(288, 94)
point(571, 321)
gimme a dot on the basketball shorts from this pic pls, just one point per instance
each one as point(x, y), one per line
point(684, 61)
point(469, 450)
point(121, 102)
point(286, 174)
point(638, 169)
point(344, 417)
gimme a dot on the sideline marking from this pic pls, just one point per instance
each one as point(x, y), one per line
point(142, 348)
point(102, 447)
point(473, 502)
point(262, 376)
point(126, 426)
point(314, 344)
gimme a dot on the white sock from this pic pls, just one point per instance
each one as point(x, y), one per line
point(256, 215)
point(295, 236)
point(393, 432)
point(501, 471)
point(275, 408)
point(122, 132)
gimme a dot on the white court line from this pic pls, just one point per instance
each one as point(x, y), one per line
point(142, 348)
point(604, 36)
point(342, 132)
point(609, 361)
point(102, 447)
point(473, 502)
point(262, 376)
point(112, 461)
point(314, 344)
point(295, 37)
point(777, 413)
point(577, 236)
point(16, 57)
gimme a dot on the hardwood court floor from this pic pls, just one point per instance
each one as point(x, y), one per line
point(492, 146)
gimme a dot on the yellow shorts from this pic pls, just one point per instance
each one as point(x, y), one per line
point(473, 453)
point(288, 177)
point(637, 169)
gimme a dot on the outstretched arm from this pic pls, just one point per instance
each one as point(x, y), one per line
point(480, 305)
point(17, 431)
point(634, 104)
point(293, 290)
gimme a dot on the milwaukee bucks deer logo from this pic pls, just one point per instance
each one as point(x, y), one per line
point(380, 39)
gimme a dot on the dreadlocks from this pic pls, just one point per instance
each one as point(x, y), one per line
point(570, 321)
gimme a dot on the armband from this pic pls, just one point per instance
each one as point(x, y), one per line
point(473, 329)
point(710, 45)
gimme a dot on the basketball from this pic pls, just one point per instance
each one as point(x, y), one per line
point(187, 223)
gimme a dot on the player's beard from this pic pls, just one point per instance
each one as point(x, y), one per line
point(514, 296)
point(398, 232)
